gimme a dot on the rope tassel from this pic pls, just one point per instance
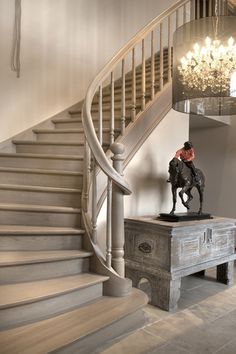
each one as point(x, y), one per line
point(15, 56)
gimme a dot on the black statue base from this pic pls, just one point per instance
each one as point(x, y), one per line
point(184, 217)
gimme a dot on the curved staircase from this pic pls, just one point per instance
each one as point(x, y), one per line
point(55, 283)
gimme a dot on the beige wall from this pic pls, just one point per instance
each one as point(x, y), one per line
point(64, 44)
point(216, 155)
point(148, 170)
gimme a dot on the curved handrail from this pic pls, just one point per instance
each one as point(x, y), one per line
point(89, 130)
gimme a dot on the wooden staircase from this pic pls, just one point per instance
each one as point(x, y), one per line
point(49, 299)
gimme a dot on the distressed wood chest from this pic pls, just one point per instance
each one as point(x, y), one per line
point(163, 252)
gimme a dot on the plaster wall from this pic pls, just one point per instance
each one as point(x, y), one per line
point(216, 155)
point(64, 43)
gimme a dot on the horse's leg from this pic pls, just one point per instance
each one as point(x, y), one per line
point(200, 191)
point(181, 194)
point(190, 197)
point(174, 189)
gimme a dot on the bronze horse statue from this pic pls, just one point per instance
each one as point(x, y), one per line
point(182, 177)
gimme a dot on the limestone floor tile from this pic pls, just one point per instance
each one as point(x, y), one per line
point(169, 348)
point(175, 325)
point(208, 338)
point(229, 348)
point(139, 342)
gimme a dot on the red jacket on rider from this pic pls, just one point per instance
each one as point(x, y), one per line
point(185, 155)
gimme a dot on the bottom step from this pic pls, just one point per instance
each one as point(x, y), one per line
point(79, 331)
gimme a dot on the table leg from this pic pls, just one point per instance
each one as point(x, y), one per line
point(166, 294)
point(225, 273)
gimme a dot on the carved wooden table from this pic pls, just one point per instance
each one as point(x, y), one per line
point(164, 252)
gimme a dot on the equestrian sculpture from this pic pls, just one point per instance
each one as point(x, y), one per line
point(184, 175)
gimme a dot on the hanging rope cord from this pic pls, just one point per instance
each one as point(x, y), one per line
point(15, 56)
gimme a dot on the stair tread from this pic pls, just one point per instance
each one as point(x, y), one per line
point(40, 208)
point(54, 333)
point(38, 188)
point(26, 257)
point(28, 292)
point(40, 171)
point(59, 131)
point(39, 156)
point(49, 142)
point(38, 230)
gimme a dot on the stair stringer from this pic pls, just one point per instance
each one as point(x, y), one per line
point(135, 135)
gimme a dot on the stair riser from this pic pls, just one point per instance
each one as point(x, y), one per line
point(44, 163)
point(60, 137)
point(40, 242)
point(15, 217)
point(68, 137)
point(15, 316)
point(41, 198)
point(40, 271)
point(105, 123)
point(38, 179)
point(50, 149)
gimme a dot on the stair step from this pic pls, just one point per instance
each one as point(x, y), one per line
point(38, 161)
point(32, 301)
point(39, 195)
point(39, 238)
point(37, 177)
point(67, 134)
point(21, 266)
point(75, 331)
point(36, 215)
point(49, 147)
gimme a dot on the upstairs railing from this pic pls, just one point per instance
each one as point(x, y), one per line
point(122, 89)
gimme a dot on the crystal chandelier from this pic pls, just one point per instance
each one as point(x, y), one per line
point(209, 66)
point(204, 68)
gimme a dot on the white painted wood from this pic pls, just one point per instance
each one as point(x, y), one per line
point(123, 98)
point(33, 238)
point(112, 108)
point(143, 77)
point(133, 85)
point(44, 161)
point(23, 214)
point(40, 177)
point(48, 147)
point(161, 58)
point(40, 195)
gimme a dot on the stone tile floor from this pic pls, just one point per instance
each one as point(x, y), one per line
point(205, 323)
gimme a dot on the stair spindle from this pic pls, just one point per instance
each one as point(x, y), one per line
point(152, 67)
point(133, 113)
point(198, 9)
point(184, 14)
point(123, 108)
point(177, 18)
point(204, 8)
point(143, 77)
point(161, 57)
point(108, 225)
point(100, 115)
point(169, 49)
point(94, 202)
point(112, 102)
point(210, 8)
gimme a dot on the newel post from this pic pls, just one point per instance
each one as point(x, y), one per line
point(118, 237)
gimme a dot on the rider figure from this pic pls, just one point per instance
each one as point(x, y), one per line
point(187, 155)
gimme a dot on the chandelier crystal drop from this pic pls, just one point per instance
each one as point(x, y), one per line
point(209, 66)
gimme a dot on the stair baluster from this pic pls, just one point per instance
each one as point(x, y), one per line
point(123, 109)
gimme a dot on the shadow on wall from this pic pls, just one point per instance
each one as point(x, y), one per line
point(149, 187)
